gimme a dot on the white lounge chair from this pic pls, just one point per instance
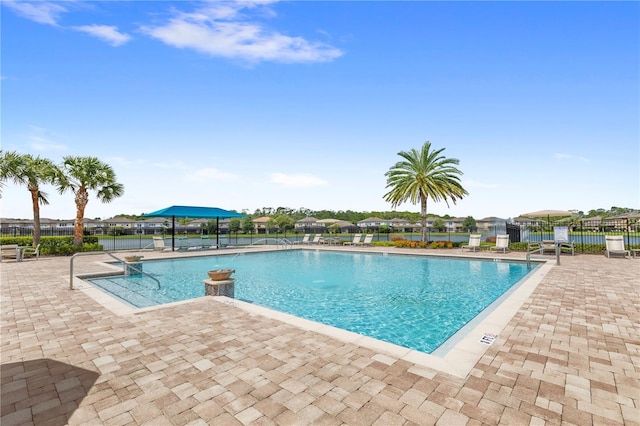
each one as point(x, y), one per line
point(356, 240)
point(547, 246)
point(615, 245)
point(159, 245)
point(366, 241)
point(305, 239)
point(316, 239)
point(502, 243)
point(474, 243)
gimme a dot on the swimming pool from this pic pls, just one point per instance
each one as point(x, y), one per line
point(413, 301)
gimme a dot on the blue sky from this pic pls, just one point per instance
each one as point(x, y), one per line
point(302, 104)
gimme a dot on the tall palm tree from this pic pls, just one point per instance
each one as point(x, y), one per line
point(84, 174)
point(30, 171)
point(423, 174)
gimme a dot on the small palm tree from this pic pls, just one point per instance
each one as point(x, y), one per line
point(423, 174)
point(30, 171)
point(84, 174)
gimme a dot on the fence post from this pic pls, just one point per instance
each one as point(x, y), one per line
point(626, 226)
point(582, 236)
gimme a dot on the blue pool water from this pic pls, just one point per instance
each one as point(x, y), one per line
point(413, 301)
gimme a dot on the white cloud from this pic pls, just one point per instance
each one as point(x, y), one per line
point(43, 12)
point(220, 30)
point(296, 180)
point(39, 143)
point(108, 33)
point(560, 156)
point(40, 140)
point(210, 174)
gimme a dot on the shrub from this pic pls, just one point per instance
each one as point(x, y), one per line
point(52, 246)
point(518, 246)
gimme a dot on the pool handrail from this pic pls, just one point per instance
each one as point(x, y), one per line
point(280, 241)
point(534, 247)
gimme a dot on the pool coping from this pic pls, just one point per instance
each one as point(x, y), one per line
point(457, 359)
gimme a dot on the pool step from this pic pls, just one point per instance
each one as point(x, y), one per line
point(117, 287)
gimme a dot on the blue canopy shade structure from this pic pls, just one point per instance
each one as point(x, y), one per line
point(195, 212)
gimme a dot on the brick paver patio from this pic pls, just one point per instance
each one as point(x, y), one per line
point(570, 355)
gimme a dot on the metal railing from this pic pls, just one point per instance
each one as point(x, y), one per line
point(587, 236)
point(537, 247)
point(285, 243)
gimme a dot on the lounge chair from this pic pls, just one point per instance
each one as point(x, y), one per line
point(474, 243)
point(548, 246)
point(567, 245)
point(159, 245)
point(502, 243)
point(366, 241)
point(316, 239)
point(223, 241)
point(30, 251)
point(615, 245)
point(305, 239)
point(184, 244)
point(355, 241)
point(206, 243)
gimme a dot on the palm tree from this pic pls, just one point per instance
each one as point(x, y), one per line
point(82, 174)
point(9, 164)
point(423, 174)
point(25, 169)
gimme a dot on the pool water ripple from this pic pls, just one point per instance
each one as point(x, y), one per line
point(413, 301)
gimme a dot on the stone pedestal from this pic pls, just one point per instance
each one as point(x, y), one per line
point(133, 268)
point(219, 288)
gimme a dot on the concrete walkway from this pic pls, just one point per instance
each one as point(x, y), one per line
point(570, 355)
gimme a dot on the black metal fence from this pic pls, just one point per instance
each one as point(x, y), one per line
point(587, 235)
point(129, 239)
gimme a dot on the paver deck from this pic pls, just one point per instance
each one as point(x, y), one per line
point(570, 355)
